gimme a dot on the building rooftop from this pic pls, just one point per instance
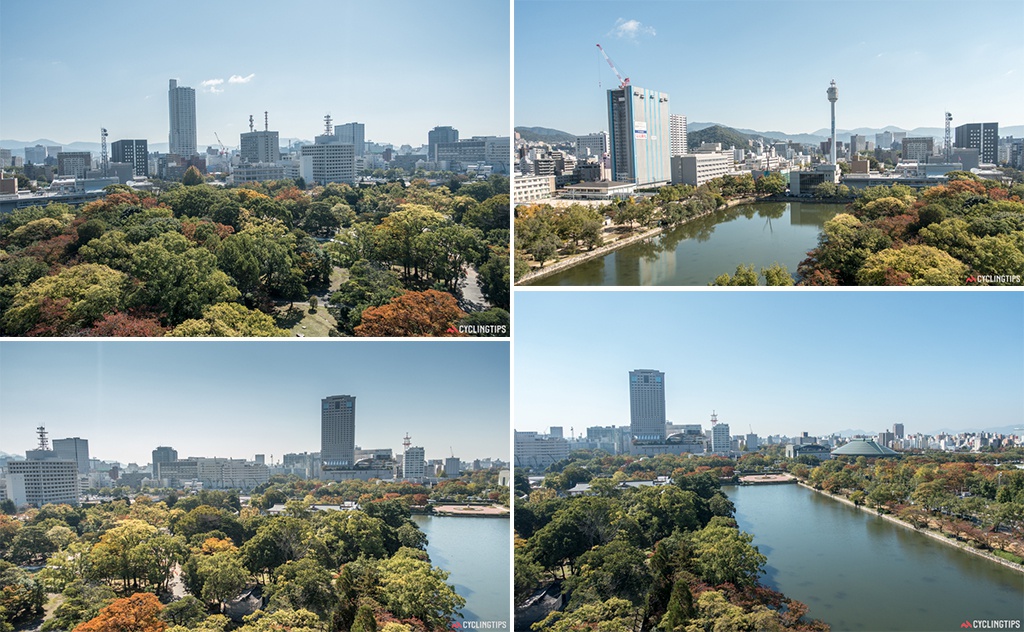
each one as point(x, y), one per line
point(863, 447)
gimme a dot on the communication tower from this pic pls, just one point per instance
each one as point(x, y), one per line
point(327, 125)
point(251, 128)
point(44, 443)
point(833, 96)
point(408, 440)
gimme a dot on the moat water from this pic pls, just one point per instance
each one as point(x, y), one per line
point(857, 571)
point(700, 250)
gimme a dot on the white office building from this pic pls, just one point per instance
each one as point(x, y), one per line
point(595, 145)
point(325, 163)
point(414, 464)
point(647, 405)
point(677, 126)
point(538, 451)
point(38, 482)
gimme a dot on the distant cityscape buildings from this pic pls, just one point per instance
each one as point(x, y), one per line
point(981, 136)
point(134, 152)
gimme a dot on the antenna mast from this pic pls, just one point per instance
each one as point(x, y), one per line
point(949, 146)
point(44, 443)
point(250, 124)
point(103, 151)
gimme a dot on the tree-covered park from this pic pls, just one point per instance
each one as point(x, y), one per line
point(253, 260)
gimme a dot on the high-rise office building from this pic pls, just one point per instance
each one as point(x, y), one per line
point(721, 441)
point(452, 467)
point(338, 430)
point(981, 136)
point(897, 430)
point(134, 152)
point(594, 145)
point(74, 163)
point(35, 155)
point(325, 163)
point(73, 449)
point(647, 405)
point(181, 104)
point(38, 482)
point(353, 134)
point(640, 134)
point(414, 464)
point(438, 135)
point(260, 146)
point(858, 143)
point(919, 149)
point(677, 127)
point(883, 140)
point(164, 454)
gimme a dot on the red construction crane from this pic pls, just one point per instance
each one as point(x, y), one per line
point(623, 82)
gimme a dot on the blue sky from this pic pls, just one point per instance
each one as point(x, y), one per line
point(240, 398)
point(400, 67)
point(766, 65)
point(780, 362)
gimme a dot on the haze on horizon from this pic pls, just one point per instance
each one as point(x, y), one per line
point(241, 398)
point(771, 362)
point(400, 68)
point(766, 65)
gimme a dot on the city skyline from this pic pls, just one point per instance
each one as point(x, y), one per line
point(236, 399)
point(783, 363)
point(767, 65)
point(389, 67)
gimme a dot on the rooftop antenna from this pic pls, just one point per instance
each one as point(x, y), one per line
point(327, 125)
point(250, 124)
point(266, 121)
point(44, 443)
point(714, 418)
point(408, 440)
point(103, 151)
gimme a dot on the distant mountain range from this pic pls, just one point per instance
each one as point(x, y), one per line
point(553, 136)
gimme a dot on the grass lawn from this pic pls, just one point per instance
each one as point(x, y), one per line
point(299, 320)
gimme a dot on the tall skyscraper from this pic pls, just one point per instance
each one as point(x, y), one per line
point(181, 104)
point(73, 449)
point(981, 136)
point(134, 152)
point(353, 134)
point(440, 135)
point(897, 430)
point(677, 125)
point(647, 405)
point(338, 430)
point(640, 134)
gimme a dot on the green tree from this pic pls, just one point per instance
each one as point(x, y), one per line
point(72, 299)
point(412, 588)
point(777, 274)
point(192, 177)
point(772, 184)
point(187, 611)
point(724, 554)
point(912, 265)
point(230, 320)
point(222, 574)
point(745, 275)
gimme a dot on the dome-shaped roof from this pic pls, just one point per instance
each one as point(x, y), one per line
point(863, 447)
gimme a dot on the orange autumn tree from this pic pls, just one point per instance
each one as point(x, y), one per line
point(429, 313)
point(137, 613)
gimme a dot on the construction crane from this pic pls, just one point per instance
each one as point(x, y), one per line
point(223, 149)
point(623, 82)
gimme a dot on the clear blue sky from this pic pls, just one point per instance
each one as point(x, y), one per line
point(239, 398)
point(400, 67)
point(766, 65)
point(781, 362)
